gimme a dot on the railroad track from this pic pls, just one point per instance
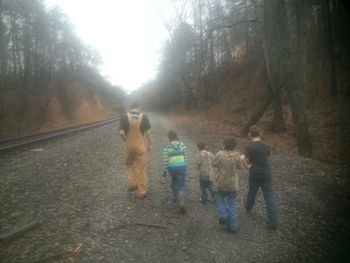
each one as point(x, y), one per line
point(18, 143)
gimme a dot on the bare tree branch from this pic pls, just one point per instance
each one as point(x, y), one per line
point(211, 30)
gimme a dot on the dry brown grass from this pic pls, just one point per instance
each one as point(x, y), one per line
point(240, 98)
point(22, 115)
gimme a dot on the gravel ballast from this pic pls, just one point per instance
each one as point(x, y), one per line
point(76, 188)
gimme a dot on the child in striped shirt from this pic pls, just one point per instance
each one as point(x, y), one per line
point(174, 162)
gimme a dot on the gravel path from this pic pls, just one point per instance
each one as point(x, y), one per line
point(76, 188)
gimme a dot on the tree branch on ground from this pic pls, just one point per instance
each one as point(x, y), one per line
point(19, 231)
point(122, 226)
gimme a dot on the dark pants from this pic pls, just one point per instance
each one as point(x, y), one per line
point(270, 202)
point(206, 186)
point(178, 178)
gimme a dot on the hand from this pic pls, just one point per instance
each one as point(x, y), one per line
point(244, 162)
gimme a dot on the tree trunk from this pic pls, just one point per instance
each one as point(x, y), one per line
point(329, 39)
point(278, 120)
point(271, 66)
point(263, 107)
point(302, 130)
point(299, 117)
point(247, 40)
point(301, 47)
point(189, 90)
point(200, 76)
point(211, 67)
point(344, 113)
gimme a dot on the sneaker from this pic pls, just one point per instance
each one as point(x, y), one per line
point(232, 231)
point(182, 210)
point(203, 201)
point(272, 227)
point(223, 221)
point(247, 210)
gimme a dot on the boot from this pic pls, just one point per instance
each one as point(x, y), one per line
point(181, 205)
point(175, 195)
point(213, 196)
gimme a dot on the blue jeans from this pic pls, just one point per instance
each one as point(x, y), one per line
point(206, 186)
point(270, 202)
point(178, 176)
point(226, 202)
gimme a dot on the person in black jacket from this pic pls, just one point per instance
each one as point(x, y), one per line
point(256, 158)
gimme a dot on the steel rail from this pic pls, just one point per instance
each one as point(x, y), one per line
point(28, 140)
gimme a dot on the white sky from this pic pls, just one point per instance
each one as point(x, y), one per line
point(128, 34)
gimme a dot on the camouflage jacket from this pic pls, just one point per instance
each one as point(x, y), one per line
point(227, 163)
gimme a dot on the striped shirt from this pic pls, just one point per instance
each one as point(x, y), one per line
point(174, 155)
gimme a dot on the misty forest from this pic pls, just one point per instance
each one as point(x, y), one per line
point(236, 60)
point(227, 65)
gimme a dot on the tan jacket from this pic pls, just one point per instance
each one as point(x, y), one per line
point(227, 163)
point(205, 168)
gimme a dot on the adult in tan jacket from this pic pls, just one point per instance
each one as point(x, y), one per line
point(135, 130)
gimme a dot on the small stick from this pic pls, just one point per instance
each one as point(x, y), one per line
point(19, 231)
point(150, 225)
point(171, 216)
point(59, 255)
point(67, 253)
point(78, 248)
point(134, 224)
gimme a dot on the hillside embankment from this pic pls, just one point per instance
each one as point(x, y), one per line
point(242, 90)
point(63, 103)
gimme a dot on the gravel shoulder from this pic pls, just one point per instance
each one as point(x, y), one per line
point(76, 188)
